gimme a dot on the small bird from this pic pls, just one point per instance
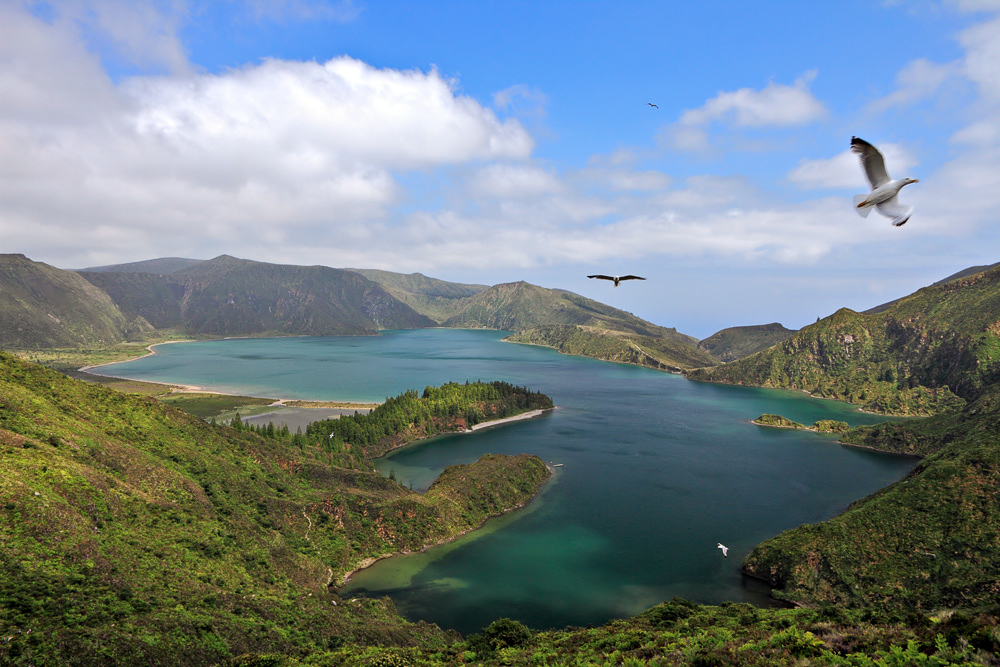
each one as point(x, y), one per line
point(652, 105)
point(725, 549)
point(617, 279)
point(884, 189)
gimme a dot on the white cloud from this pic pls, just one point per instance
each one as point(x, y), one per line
point(775, 105)
point(919, 80)
point(982, 44)
point(513, 182)
point(304, 10)
point(844, 169)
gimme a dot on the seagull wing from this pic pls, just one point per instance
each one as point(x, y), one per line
point(872, 161)
point(892, 209)
point(602, 277)
point(631, 277)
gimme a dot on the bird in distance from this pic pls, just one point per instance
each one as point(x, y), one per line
point(616, 279)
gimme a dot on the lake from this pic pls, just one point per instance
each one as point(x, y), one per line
point(651, 471)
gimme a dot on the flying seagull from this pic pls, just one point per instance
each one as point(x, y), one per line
point(652, 105)
point(725, 549)
point(884, 189)
point(617, 279)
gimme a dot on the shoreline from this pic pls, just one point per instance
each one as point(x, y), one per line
point(368, 562)
point(181, 388)
point(531, 414)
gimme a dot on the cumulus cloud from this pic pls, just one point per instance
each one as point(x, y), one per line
point(775, 105)
point(203, 159)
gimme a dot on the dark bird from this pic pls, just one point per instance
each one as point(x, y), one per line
point(616, 279)
point(884, 189)
point(652, 105)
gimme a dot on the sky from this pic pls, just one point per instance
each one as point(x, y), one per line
point(489, 142)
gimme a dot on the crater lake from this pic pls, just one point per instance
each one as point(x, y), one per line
point(651, 471)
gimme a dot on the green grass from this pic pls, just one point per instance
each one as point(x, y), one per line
point(133, 532)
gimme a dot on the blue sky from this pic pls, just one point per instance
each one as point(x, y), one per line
point(490, 142)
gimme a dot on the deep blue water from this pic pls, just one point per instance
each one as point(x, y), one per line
point(656, 470)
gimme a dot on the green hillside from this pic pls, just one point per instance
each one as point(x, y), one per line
point(42, 306)
point(132, 533)
point(738, 342)
point(151, 297)
point(928, 542)
point(437, 299)
point(229, 296)
point(926, 353)
point(670, 352)
point(518, 306)
point(161, 266)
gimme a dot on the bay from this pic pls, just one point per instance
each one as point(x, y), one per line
point(651, 471)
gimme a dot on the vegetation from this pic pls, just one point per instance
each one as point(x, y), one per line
point(738, 342)
point(924, 354)
point(928, 542)
point(437, 299)
point(670, 351)
point(776, 420)
point(518, 306)
point(679, 632)
point(134, 533)
point(43, 306)
point(409, 416)
point(820, 426)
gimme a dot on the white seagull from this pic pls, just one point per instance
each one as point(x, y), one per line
point(616, 279)
point(725, 549)
point(884, 189)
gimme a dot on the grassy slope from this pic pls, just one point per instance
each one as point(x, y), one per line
point(924, 354)
point(132, 532)
point(230, 296)
point(671, 351)
point(42, 306)
point(684, 634)
point(518, 306)
point(930, 541)
point(437, 299)
point(738, 342)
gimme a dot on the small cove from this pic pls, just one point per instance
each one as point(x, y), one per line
point(655, 471)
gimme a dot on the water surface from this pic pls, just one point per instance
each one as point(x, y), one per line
point(652, 471)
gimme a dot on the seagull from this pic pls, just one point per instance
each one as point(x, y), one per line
point(616, 279)
point(652, 105)
point(725, 549)
point(884, 189)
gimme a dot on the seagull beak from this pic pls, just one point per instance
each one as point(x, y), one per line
point(914, 180)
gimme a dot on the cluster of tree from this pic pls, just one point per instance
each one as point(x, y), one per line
point(437, 409)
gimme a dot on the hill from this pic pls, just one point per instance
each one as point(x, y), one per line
point(43, 306)
point(738, 342)
point(162, 266)
point(928, 542)
point(133, 533)
point(229, 296)
point(926, 353)
point(670, 351)
point(437, 299)
point(520, 305)
point(972, 270)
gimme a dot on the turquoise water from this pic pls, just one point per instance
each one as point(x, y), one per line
point(655, 471)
